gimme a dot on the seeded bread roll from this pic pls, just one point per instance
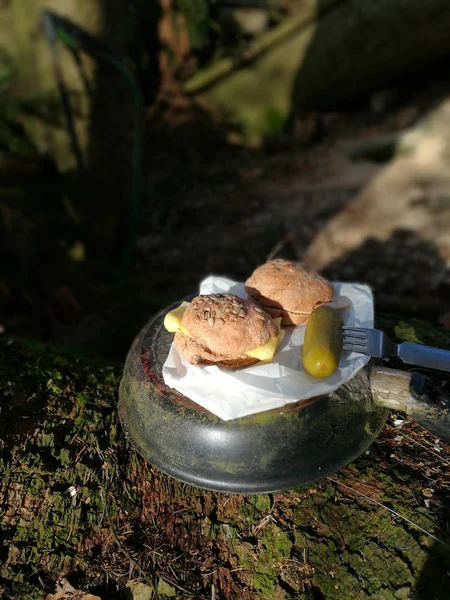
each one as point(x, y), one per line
point(222, 328)
point(285, 289)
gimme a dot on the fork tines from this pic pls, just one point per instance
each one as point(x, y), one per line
point(354, 338)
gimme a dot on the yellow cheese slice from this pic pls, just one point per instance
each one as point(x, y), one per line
point(172, 321)
point(265, 353)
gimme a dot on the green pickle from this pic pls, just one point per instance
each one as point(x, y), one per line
point(322, 347)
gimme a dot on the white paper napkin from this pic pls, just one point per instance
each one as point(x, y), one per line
point(231, 394)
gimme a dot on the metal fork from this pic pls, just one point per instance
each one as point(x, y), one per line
point(374, 342)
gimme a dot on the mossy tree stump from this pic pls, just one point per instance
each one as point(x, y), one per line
point(76, 501)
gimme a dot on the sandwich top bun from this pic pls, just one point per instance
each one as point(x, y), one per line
point(285, 289)
point(220, 329)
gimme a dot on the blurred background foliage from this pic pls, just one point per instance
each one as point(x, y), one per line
point(60, 256)
point(117, 148)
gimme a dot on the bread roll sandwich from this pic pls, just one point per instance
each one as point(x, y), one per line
point(223, 330)
point(285, 289)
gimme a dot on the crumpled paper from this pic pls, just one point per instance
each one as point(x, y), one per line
point(231, 394)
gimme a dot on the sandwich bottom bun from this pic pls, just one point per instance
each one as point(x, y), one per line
point(285, 289)
point(199, 355)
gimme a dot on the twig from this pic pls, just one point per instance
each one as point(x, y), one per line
point(306, 17)
point(181, 588)
point(279, 246)
point(441, 458)
point(149, 579)
point(393, 512)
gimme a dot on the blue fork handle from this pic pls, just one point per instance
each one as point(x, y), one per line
point(424, 356)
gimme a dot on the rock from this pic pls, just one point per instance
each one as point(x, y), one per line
point(166, 589)
point(400, 220)
point(140, 591)
point(251, 21)
point(65, 591)
point(404, 593)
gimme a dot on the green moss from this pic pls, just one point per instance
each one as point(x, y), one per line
point(263, 562)
point(263, 502)
point(356, 548)
point(20, 589)
point(37, 486)
point(276, 544)
point(414, 330)
point(56, 450)
point(64, 457)
point(328, 491)
point(406, 332)
point(254, 506)
point(54, 383)
point(47, 440)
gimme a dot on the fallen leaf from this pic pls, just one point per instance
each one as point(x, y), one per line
point(65, 591)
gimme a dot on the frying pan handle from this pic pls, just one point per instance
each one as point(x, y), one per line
point(416, 395)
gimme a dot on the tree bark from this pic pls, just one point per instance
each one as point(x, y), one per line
point(340, 51)
point(35, 77)
point(76, 501)
point(364, 46)
point(308, 12)
point(101, 113)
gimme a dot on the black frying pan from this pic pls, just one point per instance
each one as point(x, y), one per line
point(270, 451)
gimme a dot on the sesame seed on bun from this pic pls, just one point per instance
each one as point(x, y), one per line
point(222, 328)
